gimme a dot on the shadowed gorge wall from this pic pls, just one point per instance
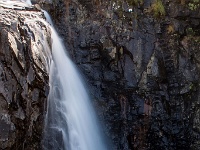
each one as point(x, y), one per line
point(141, 66)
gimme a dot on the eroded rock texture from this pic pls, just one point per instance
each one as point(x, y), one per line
point(23, 78)
point(142, 68)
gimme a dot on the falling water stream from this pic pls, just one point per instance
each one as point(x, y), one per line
point(70, 113)
point(70, 122)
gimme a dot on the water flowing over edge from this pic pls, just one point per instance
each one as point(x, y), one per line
point(70, 121)
point(18, 4)
point(74, 117)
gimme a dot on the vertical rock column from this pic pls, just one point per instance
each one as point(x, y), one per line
point(23, 78)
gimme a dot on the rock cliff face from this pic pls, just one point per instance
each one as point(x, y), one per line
point(142, 66)
point(23, 78)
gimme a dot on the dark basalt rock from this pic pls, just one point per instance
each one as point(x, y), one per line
point(143, 72)
point(23, 79)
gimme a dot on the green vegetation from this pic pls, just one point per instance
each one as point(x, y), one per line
point(158, 8)
point(194, 5)
point(191, 4)
point(190, 31)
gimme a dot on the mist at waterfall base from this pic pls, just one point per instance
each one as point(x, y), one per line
point(71, 123)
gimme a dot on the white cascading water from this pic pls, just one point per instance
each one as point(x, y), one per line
point(70, 122)
point(20, 4)
point(70, 113)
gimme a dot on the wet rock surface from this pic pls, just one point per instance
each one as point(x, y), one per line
point(23, 78)
point(142, 69)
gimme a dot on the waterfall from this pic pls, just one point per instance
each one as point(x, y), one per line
point(19, 4)
point(71, 123)
point(28, 2)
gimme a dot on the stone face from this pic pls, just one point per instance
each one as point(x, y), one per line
point(23, 78)
point(142, 71)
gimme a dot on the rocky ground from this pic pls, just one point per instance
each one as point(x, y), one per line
point(142, 69)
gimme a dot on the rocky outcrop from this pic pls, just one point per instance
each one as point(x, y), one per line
point(140, 63)
point(23, 77)
point(141, 66)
